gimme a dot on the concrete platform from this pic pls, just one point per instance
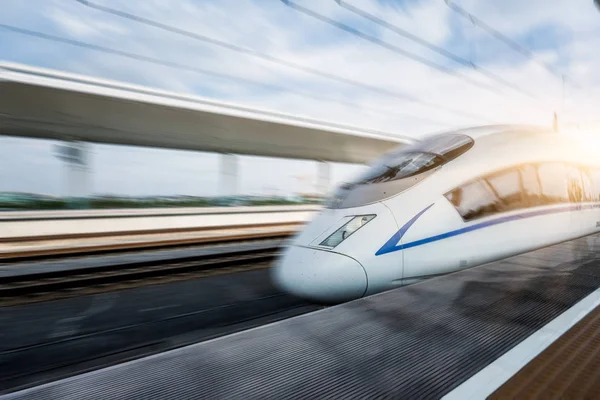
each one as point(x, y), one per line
point(569, 368)
point(442, 337)
point(40, 225)
point(40, 248)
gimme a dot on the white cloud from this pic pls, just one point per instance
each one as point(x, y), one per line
point(273, 28)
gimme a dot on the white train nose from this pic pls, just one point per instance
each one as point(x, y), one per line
point(319, 275)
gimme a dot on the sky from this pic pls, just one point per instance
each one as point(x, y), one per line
point(562, 35)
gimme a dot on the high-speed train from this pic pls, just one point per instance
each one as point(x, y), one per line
point(448, 202)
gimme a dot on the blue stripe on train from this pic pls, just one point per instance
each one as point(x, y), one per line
point(392, 244)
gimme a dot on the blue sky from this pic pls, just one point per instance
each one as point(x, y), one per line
point(562, 34)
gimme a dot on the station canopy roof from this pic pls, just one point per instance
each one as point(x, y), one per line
point(41, 103)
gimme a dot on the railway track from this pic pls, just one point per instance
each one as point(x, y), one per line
point(52, 284)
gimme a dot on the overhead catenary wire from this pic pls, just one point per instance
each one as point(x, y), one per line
point(439, 50)
point(203, 71)
point(400, 51)
point(515, 46)
point(275, 60)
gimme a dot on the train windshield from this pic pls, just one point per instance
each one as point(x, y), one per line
point(400, 166)
point(411, 160)
point(400, 169)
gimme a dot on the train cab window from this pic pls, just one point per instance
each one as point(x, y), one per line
point(553, 182)
point(574, 184)
point(448, 146)
point(420, 157)
point(400, 170)
point(402, 165)
point(474, 200)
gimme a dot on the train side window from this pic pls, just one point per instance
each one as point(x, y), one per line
point(507, 186)
point(532, 192)
point(473, 200)
point(595, 178)
point(574, 185)
point(553, 179)
point(587, 189)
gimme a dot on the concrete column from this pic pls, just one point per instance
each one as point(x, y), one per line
point(323, 177)
point(76, 158)
point(228, 171)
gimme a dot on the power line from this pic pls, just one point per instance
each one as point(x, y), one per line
point(401, 51)
point(443, 52)
point(509, 42)
point(275, 60)
point(179, 66)
point(404, 33)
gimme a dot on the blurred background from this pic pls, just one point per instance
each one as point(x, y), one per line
point(309, 58)
point(157, 158)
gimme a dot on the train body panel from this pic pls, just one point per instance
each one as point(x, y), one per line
point(451, 202)
point(493, 239)
point(321, 276)
point(383, 273)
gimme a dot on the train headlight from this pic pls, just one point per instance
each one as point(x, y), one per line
point(346, 230)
